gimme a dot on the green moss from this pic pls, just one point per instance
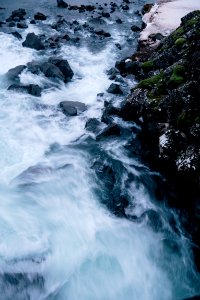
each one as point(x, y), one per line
point(177, 77)
point(179, 70)
point(176, 80)
point(180, 42)
point(178, 33)
point(149, 83)
point(192, 22)
point(147, 65)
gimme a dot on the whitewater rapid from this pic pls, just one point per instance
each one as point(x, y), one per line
point(57, 240)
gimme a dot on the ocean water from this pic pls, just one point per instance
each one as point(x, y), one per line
point(58, 239)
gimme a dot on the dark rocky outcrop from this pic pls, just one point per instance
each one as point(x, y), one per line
point(33, 41)
point(165, 103)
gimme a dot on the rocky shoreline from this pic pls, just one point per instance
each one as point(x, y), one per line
point(165, 103)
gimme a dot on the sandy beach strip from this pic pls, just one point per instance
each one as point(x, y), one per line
point(165, 16)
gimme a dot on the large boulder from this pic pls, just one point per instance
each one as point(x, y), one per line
point(64, 67)
point(72, 108)
point(33, 41)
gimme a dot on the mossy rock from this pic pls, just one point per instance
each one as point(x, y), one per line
point(149, 83)
point(179, 70)
point(154, 97)
point(178, 33)
point(177, 76)
point(180, 42)
point(147, 65)
point(176, 80)
point(192, 22)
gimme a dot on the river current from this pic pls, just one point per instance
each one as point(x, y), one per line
point(59, 239)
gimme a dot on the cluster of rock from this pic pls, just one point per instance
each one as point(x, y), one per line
point(83, 8)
